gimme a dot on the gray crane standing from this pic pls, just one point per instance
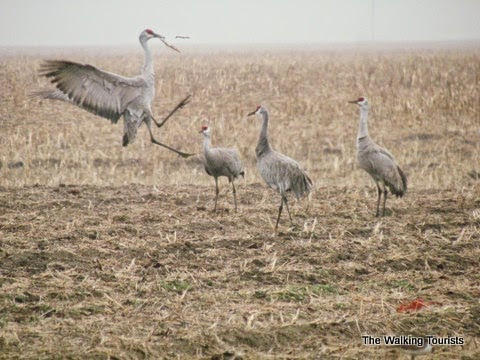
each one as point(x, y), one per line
point(221, 162)
point(280, 172)
point(377, 161)
point(109, 95)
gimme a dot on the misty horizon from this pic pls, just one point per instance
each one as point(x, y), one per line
point(55, 23)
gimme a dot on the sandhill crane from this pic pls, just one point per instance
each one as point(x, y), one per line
point(377, 161)
point(221, 162)
point(280, 172)
point(109, 95)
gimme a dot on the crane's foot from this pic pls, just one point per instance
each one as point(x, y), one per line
point(387, 213)
point(181, 153)
point(184, 102)
point(184, 155)
point(180, 105)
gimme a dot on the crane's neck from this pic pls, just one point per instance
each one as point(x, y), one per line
point(206, 143)
point(363, 125)
point(263, 145)
point(147, 70)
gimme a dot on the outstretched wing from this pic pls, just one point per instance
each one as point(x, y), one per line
point(99, 92)
point(52, 95)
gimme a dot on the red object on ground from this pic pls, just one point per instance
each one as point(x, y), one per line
point(414, 305)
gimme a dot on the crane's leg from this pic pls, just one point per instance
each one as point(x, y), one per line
point(216, 194)
point(378, 200)
point(179, 106)
point(234, 195)
point(286, 203)
point(279, 213)
point(182, 154)
point(384, 200)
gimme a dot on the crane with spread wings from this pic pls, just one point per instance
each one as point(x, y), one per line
point(110, 95)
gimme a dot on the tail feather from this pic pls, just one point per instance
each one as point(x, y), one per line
point(307, 183)
point(398, 189)
point(404, 179)
point(130, 128)
point(302, 186)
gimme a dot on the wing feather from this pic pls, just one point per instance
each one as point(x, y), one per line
point(51, 94)
point(387, 169)
point(282, 173)
point(224, 162)
point(97, 91)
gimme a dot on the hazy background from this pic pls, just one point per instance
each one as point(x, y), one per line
point(113, 22)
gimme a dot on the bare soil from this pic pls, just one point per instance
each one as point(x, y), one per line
point(135, 272)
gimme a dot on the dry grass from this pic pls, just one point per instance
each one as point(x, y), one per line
point(128, 261)
point(424, 109)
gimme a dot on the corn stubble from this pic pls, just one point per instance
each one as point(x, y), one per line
point(112, 251)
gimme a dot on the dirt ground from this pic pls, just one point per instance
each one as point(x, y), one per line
point(112, 252)
point(136, 272)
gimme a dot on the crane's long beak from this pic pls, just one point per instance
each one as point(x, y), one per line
point(201, 131)
point(161, 37)
point(353, 102)
point(252, 113)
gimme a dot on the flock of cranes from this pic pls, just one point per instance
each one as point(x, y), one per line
point(113, 96)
